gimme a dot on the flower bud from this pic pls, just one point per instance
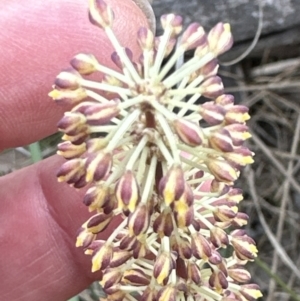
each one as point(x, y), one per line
point(135, 277)
point(212, 87)
point(127, 192)
point(100, 13)
point(102, 113)
point(96, 144)
point(98, 222)
point(71, 171)
point(222, 170)
point(240, 220)
point(169, 47)
point(163, 224)
point(101, 257)
point(250, 291)
point(145, 38)
point(189, 132)
point(149, 294)
point(221, 140)
point(167, 293)
point(239, 274)
point(212, 113)
point(237, 114)
point(172, 185)
point(72, 123)
point(193, 272)
point(244, 246)
point(68, 97)
point(225, 100)
point(119, 257)
point(69, 79)
point(218, 237)
point(173, 22)
point(200, 247)
point(183, 214)
point(238, 133)
point(84, 238)
point(110, 277)
point(164, 264)
point(218, 187)
point(220, 38)
point(139, 220)
point(84, 63)
point(183, 248)
point(140, 250)
point(128, 243)
point(218, 281)
point(225, 213)
point(97, 197)
point(235, 195)
point(193, 36)
point(98, 166)
point(78, 138)
point(239, 157)
point(215, 258)
point(69, 150)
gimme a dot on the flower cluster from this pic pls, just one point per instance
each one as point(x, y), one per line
point(164, 161)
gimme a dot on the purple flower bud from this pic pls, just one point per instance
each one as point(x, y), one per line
point(139, 220)
point(212, 87)
point(100, 14)
point(212, 113)
point(221, 140)
point(127, 192)
point(72, 123)
point(164, 264)
point(69, 79)
point(68, 97)
point(98, 165)
point(71, 171)
point(84, 63)
point(220, 38)
point(119, 257)
point(69, 150)
point(163, 224)
point(98, 222)
point(172, 185)
point(172, 21)
point(101, 257)
point(200, 247)
point(218, 281)
point(193, 36)
point(110, 277)
point(189, 132)
point(135, 277)
point(145, 38)
point(100, 114)
point(193, 272)
point(222, 170)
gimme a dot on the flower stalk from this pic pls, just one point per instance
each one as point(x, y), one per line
point(146, 156)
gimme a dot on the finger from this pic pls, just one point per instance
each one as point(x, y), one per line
point(39, 220)
point(39, 40)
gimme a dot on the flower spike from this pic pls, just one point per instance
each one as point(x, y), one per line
point(146, 148)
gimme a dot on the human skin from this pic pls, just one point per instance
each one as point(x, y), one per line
point(39, 217)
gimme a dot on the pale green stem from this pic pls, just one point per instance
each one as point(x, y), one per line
point(149, 180)
point(35, 151)
point(122, 54)
point(122, 129)
point(170, 137)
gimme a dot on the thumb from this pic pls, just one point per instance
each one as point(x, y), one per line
point(39, 40)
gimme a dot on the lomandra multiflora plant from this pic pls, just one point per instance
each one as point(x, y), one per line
point(152, 155)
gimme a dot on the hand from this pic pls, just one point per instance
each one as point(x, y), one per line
point(38, 216)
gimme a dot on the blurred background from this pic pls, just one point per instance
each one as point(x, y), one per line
point(268, 81)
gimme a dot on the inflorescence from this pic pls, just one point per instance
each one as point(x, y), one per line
point(151, 154)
